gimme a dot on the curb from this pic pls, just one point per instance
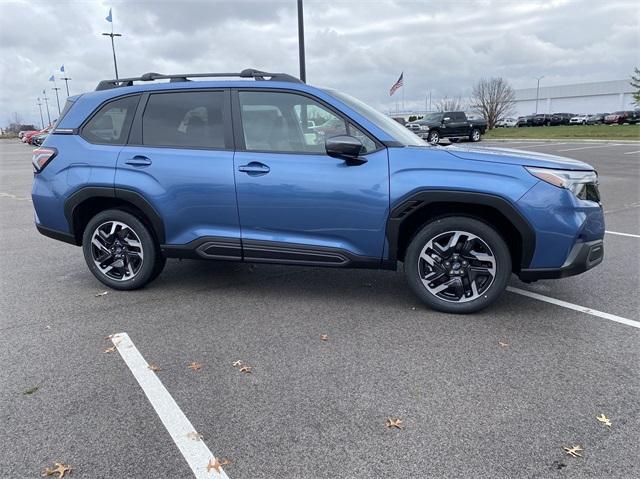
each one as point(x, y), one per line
point(551, 140)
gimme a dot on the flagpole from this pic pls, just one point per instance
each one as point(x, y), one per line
point(55, 88)
point(113, 46)
point(39, 103)
point(46, 102)
point(66, 82)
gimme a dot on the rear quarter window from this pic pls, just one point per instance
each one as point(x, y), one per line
point(111, 123)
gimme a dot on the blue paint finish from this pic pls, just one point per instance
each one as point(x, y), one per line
point(315, 200)
point(192, 190)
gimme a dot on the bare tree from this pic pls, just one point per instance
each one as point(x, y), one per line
point(494, 99)
point(449, 104)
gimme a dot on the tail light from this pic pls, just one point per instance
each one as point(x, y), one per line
point(42, 157)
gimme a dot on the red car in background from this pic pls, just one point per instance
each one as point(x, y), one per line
point(618, 117)
point(28, 135)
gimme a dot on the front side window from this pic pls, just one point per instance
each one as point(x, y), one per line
point(287, 122)
point(110, 125)
point(184, 119)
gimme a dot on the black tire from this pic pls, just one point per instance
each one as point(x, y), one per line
point(433, 137)
point(475, 135)
point(488, 292)
point(122, 244)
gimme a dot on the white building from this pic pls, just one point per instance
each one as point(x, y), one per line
point(597, 97)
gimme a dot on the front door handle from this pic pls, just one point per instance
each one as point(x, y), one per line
point(138, 160)
point(254, 168)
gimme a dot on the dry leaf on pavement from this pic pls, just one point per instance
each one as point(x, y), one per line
point(104, 293)
point(504, 344)
point(324, 337)
point(195, 436)
point(573, 451)
point(397, 423)
point(112, 349)
point(60, 469)
point(237, 364)
point(30, 391)
point(194, 365)
point(245, 369)
point(604, 419)
point(215, 464)
point(154, 367)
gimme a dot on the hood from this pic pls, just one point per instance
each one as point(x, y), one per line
point(517, 157)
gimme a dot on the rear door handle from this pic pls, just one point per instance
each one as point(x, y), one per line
point(254, 168)
point(138, 160)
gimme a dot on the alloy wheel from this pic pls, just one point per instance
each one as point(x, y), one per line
point(117, 250)
point(457, 266)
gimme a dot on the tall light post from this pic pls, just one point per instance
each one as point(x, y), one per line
point(538, 91)
point(39, 103)
point(113, 48)
point(66, 82)
point(46, 102)
point(56, 88)
point(303, 68)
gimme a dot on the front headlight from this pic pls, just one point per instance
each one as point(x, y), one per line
point(583, 184)
point(424, 128)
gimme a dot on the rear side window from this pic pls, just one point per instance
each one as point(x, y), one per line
point(110, 125)
point(184, 119)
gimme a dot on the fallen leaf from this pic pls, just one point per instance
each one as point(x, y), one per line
point(324, 337)
point(604, 419)
point(504, 344)
point(397, 423)
point(104, 293)
point(48, 327)
point(154, 367)
point(112, 349)
point(195, 436)
point(30, 391)
point(60, 469)
point(573, 451)
point(245, 369)
point(194, 365)
point(215, 464)
point(238, 363)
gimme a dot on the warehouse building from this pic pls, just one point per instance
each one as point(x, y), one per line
point(597, 97)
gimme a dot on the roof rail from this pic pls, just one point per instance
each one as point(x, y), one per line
point(184, 77)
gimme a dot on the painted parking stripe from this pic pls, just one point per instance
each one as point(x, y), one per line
point(632, 152)
point(622, 234)
point(195, 452)
point(589, 147)
point(575, 307)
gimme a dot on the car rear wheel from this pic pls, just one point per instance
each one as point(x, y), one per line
point(458, 265)
point(433, 137)
point(475, 135)
point(120, 250)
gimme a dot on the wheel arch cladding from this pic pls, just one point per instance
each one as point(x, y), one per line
point(85, 203)
point(412, 212)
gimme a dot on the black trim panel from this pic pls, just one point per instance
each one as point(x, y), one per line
point(208, 247)
point(582, 257)
point(407, 206)
point(56, 234)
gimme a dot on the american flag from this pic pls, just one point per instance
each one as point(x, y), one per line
point(397, 84)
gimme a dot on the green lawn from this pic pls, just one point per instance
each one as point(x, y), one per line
point(602, 132)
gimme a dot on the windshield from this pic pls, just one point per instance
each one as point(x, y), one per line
point(432, 117)
point(394, 129)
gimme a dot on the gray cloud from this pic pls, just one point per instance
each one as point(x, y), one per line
point(356, 46)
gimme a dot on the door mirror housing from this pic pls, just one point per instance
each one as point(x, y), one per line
point(446, 119)
point(347, 148)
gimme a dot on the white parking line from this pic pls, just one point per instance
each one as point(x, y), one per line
point(631, 152)
point(589, 147)
point(621, 234)
point(575, 307)
point(194, 450)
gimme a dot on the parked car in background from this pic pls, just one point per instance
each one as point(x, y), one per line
point(506, 123)
point(618, 117)
point(634, 119)
point(580, 119)
point(259, 188)
point(28, 136)
point(525, 121)
point(38, 140)
point(23, 135)
point(540, 119)
point(400, 120)
point(449, 124)
point(556, 119)
point(596, 118)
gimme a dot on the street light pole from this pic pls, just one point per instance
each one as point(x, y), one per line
point(113, 48)
point(538, 91)
point(46, 102)
point(303, 68)
point(66, 82)
point(57, 98)
point(39, 103)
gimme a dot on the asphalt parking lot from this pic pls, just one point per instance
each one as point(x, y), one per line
point(496, 394)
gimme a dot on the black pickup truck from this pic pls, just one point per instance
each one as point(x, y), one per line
point(449, 124)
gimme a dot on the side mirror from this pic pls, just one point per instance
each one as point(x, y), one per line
point(446, 119)
point(345, 147)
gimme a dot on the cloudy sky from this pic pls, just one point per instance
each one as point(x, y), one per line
point(356, 46)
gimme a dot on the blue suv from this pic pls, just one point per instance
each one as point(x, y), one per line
point(260, 167)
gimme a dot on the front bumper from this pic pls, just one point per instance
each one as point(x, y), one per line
point(583, 256)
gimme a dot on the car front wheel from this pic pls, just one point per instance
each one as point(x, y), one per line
point(120, 250)
point(458, 265)
point(433, 137)
point(475, 135)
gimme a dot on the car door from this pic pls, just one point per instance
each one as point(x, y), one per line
point(179, 158)
point(296, 203)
